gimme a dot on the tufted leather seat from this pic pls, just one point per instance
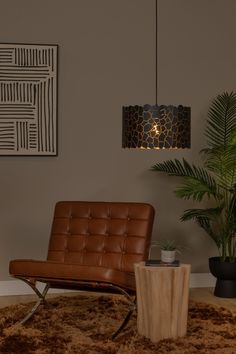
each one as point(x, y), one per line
point(93, 241)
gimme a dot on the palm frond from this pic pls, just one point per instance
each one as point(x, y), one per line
point(204, 218)
point(221, 119)
point(209, 213)
point(195, 189)
point(232, 210)
point(197, 180)
point(172, 167)
point(222, 162)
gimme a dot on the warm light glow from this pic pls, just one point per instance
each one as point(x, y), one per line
point(156, 129)
point(148, 148)
point(158, 148)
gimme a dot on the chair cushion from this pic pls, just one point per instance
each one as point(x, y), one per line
point(28, 268)
point(110, 235)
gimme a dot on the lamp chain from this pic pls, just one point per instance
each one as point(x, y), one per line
point(156, 47)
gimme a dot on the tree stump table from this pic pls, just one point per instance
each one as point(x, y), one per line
point(162, 300)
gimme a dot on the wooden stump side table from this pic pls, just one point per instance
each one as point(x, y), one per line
point(162, 300)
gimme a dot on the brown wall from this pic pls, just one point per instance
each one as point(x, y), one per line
point(106, 60)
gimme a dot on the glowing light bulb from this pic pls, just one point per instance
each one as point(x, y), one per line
point(156, 129)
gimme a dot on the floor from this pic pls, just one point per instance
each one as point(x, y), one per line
point(197, 294)
point(206, 295)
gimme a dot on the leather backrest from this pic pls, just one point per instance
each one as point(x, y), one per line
point(106, 234)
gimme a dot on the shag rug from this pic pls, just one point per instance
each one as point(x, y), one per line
point(84, 324)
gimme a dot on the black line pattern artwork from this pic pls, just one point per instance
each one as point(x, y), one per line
point(28, 99)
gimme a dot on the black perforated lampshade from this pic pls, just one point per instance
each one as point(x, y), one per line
point(156, 127)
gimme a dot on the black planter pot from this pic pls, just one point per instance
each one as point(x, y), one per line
point(225, 273)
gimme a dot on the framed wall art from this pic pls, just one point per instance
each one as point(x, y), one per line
point(28, 99)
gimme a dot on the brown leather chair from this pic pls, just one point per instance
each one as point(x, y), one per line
point(93, 246)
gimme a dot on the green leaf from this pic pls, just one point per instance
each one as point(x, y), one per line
point(221, 119)
point(209, 213)
point(197, 182)
point(195, 189)
point(222, 162)
point(204, 218)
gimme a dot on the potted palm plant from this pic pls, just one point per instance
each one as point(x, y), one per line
point(215, 181)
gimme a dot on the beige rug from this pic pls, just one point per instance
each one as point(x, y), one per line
point(83, 324)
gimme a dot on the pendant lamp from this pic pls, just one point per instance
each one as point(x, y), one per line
point(156, 126)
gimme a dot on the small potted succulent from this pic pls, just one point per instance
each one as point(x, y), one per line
point(168, 250)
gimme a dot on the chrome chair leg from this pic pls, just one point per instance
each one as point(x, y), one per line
point(132, 307)
point(41, 299)
point(125, 321)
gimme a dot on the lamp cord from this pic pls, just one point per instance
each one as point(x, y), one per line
point(156, 46)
